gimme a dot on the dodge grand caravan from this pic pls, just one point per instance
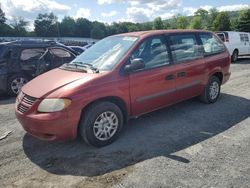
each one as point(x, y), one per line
point(122, 76)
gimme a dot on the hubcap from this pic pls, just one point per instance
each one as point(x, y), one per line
point(105, 125)
point(214, 90)
point(17, 84)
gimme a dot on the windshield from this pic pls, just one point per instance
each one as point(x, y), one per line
point(105, 54)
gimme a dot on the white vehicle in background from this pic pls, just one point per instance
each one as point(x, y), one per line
point(237, 43)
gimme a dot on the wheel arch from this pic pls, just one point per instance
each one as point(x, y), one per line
point(113, 99)
point(218, 75)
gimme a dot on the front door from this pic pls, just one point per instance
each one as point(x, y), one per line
point(154, 86)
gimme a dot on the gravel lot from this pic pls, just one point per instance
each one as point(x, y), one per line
point(187, 145)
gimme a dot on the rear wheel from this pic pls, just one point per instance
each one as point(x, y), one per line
point(15, 83)
point(212, 91)
point(101, 124)
point(235, 56)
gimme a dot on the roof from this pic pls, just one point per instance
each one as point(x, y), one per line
point(159, 32)
point(37, 43)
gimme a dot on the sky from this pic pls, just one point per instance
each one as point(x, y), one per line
point(109, 11)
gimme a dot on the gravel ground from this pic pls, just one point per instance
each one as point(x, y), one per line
point(187, 145)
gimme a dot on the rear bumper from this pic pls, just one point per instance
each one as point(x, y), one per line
point(3, 83)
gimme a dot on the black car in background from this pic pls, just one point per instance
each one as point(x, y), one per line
point(20, 61)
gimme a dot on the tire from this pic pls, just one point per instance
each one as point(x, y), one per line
point(15, 83)
point(212, 91)
point(234, 56)
point(96, 121)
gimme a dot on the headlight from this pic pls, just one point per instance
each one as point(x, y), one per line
point(53, 105)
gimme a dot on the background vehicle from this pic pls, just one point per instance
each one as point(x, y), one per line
point(123, 76)
point(78, 49)
point(237, 43)
point(20, 61)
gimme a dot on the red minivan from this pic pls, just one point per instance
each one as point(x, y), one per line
point(122, 76)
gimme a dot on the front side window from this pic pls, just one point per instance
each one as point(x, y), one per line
point(211, 44)
point(32, 54)
point(153, 52)
point(184, 47)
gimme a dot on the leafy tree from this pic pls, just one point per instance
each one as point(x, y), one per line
point(213, 13)
point(19, 26)
point(234, 24)
point(98, 31)
point(182, 22)
point(196, 23)
point(244, 21)
point(83, 27)
point(146, 26)
point(204, 16)
point(67, 27)
point(202, 13)
point(133, 27)
point(158, 24)
point(6, 30)
point(46, 25)
point(221, 22)
point(2, 16)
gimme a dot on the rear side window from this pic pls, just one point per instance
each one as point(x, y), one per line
point(29, 54)
point(60, 53)
point(184, 47)
point(211, 44)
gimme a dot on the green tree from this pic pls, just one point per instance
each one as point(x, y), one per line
point(2, 16)
point(158, 24)
point(67, 27)
point(46, 25)
point(196, 23)
point(182, 22)
point(83, 27)
point(202, 13)
point(221, 22)
point(213, 13)
point(204, 16)
point(244, 21)
point(98, 31)
point(19, 27)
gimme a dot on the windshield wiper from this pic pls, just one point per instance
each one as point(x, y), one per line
point(87, 65)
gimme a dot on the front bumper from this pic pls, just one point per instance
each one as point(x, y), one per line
point(47, 126)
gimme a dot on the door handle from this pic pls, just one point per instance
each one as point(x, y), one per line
point(181, 74)
point(169, 77)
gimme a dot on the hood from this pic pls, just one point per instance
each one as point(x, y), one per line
point(53, 80)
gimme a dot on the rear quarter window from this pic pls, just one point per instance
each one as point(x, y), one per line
point(211, 44)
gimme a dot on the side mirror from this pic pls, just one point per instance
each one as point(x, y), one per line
point(136, 64)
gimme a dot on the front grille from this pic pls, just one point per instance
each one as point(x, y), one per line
point(22, 108)
point(28, 100)
point(25, 103)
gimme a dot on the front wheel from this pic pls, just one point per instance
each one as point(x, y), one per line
point(101, 124)
point(212, 91)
